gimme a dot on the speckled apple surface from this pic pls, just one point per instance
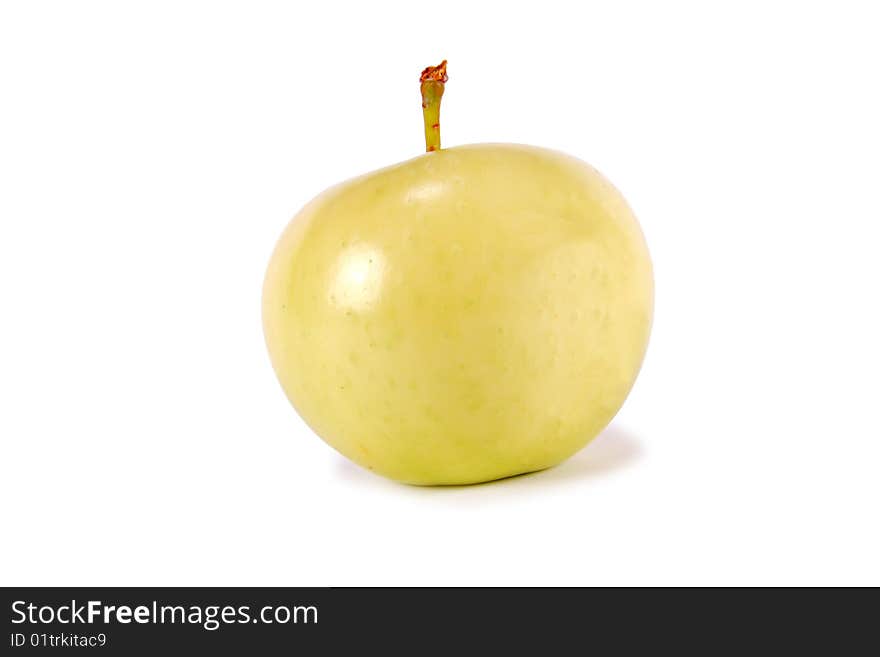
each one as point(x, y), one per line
point(470, 314)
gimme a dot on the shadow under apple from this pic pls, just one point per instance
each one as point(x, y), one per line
point(612, 450)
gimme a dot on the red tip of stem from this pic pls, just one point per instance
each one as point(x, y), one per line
point(435, 73)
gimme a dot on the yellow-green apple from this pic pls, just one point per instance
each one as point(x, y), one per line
point(473, 313)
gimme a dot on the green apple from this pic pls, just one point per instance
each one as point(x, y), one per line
point(473, 313)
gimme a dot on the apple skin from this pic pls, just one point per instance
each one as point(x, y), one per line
point(473, 313)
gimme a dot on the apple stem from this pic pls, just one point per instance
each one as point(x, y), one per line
point(433, 81)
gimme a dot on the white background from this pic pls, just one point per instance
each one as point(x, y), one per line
point(151, 154)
